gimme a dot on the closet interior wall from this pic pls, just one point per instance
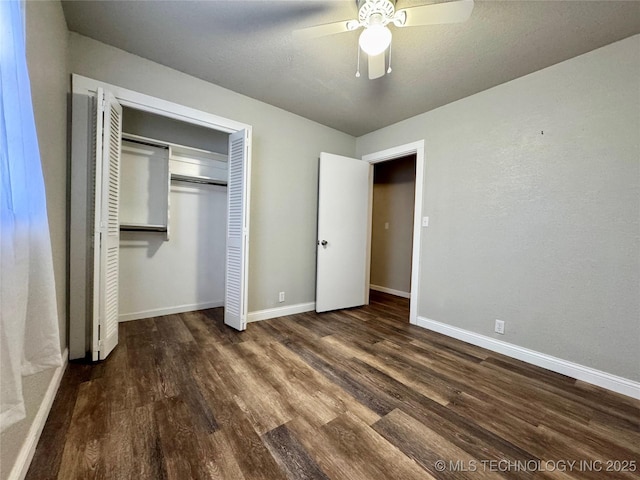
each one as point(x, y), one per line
point(181, 267)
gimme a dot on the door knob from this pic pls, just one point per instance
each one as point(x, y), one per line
point(323, 243)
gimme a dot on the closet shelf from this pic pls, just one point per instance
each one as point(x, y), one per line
point(197, 179)
point(135, 227)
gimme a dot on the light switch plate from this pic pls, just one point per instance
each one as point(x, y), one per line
point(425, 221)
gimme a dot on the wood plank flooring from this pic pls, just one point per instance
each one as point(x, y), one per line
point(355, 394)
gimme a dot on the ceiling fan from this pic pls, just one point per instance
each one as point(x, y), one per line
point(375, 17)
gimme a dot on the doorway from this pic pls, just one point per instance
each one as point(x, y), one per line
point(392, 217)
point(417, 149)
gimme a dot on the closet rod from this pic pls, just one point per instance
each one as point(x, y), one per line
point(135, 227)
point(196, 179)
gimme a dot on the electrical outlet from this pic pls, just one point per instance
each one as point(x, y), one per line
point(499, 327)
point(281, 297)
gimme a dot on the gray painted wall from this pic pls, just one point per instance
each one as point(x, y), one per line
point(394, 184)
point(285, 165)
point(47, 62)
point(532, 189)
point(47, 57)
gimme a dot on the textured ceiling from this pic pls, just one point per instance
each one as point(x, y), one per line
point(247, 47)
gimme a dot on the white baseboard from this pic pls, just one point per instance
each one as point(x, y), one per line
point(391, 291)
point(558, 365)
point(158, 312)
point(23, 461)
point(259, 315)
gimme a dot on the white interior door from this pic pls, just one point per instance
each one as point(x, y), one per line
point(237, 261)
point(107, 226)
point(343, 232)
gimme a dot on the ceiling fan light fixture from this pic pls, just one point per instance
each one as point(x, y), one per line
point(375, 39)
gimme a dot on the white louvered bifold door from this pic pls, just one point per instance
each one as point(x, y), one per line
point(235, 302)
point(108, 145)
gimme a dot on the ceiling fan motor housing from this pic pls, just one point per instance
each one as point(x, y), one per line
point(376, 12)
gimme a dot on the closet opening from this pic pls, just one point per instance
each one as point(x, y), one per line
point(173, 216)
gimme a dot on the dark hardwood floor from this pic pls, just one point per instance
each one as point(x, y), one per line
point(356, 394)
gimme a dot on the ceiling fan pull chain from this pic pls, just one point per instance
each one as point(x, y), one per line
point(389, 69)
point(358, 69)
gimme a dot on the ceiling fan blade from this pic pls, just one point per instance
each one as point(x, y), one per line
point(376, 66)
point(320, 30)
point(439, 13)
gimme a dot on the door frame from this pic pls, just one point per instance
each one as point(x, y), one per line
point(79, 244)
point(394, 153)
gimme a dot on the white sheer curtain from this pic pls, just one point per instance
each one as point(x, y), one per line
point(29, 337)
